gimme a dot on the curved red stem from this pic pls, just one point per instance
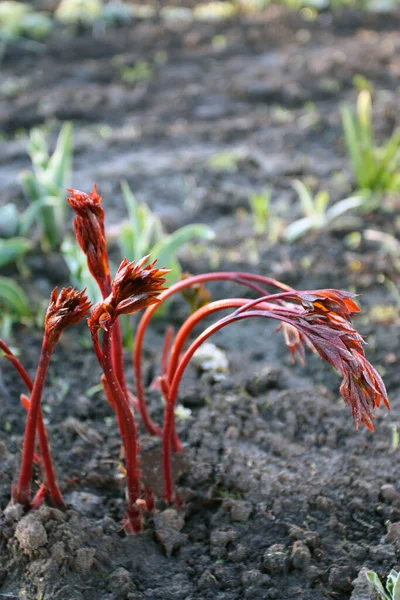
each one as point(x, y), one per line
point(248, 279)
point(48, 466)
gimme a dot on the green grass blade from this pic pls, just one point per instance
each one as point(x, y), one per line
point(166, 250)
point(12, 249)
point(321, 202)
point(306, 200)
point(60, 163)
point(340, 208)
point(13, 298)
point(9, 221)
point(126, 242)
point(351, 135)
point(132, 206)
point(298, 229)
point(377, 585)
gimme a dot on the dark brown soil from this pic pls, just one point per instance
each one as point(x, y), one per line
point(283, 499)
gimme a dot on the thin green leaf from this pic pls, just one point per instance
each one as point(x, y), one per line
point(30, 215)
point(12, 249)
point(166, 250)
point(296, 230)
point(132, 207)
point(306, 200)
point(351, 138)
point(31, 187)
point(126, 242)
point(9, 221)
point(376, 583)
point(13, 298)
point(321, 202)
point(393, 581)
point(60, 162)
point(338, 209)
point(260, 205)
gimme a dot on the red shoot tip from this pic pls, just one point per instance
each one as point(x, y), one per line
point(135, 287)
point(65, 309)
point(90, 233)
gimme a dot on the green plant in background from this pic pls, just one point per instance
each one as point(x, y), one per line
point(19, 20)
point(13, 244)
point(80, 276)
point(14, 306)
point(47, 183)
point(375, 168)
point(265, 220)
point(215, 11)
point(140, 71)
point(14, 228)
point(392, 591)
point(260, 205)
point(88, 13)
point(143, 234)
point(317, 215)
point(79, 12)
point(321, 5)
point(226, 160)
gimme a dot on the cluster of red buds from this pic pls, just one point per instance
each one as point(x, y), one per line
point(320, 320)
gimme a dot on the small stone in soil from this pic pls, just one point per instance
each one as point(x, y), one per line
point(389, 493)
point(254, 576)
point(58, 552)
point(240, 511)
point(268, 379)
point(300, 556)
point(311, 538)
point(120, 582)
point(30, 534)
point(340, 578)
point(168, 525)
point(393, 534)
point(207, 580)
point(85, 560)
point(362, 589)
point(275, 560)
point(222, 537)
point(84, 502)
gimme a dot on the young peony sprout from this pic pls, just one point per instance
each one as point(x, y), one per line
point(46, 461)
point(135, 287)
point(65, 309)
point(90, 234)
point(319, 319)
point(316, 319)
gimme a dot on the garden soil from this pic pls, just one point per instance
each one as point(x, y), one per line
point(282, 498)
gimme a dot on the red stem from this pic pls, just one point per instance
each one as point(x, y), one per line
point(247, 279)
point(51, 480)
point(22, 493)
point(168, 337)
point(129, 434)
point(116, 342)
point(111, 402)
point(118, 356)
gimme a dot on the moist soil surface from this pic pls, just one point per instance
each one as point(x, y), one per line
point(282, 498)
